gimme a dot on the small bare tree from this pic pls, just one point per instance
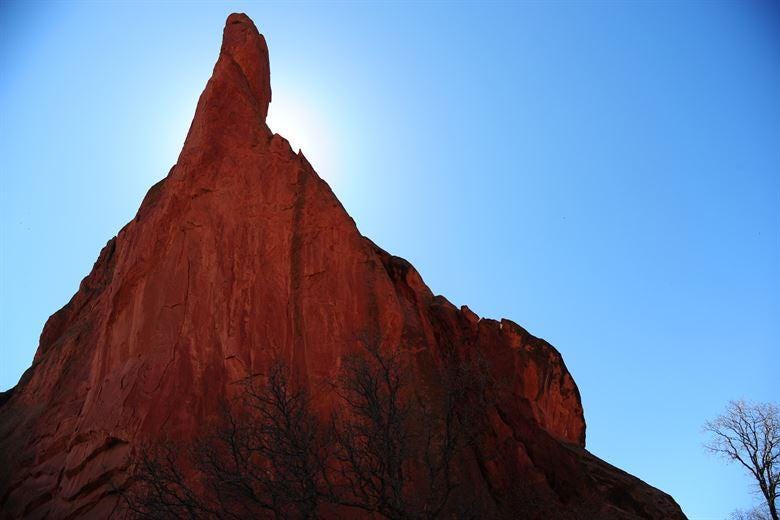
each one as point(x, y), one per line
point(749, 434)
point(161, 489)
point(372, 439)
point(265, 461)
point(757, 513)
point(395, 448)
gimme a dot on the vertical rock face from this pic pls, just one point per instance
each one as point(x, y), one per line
point(241, 256)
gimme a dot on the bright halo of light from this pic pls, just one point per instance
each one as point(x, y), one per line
point(294, 118)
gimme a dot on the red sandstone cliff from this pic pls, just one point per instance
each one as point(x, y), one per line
point(240, 255)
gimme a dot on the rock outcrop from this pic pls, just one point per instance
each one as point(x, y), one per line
point(242, 255)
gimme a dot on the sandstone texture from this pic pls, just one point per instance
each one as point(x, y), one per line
point(242, 255)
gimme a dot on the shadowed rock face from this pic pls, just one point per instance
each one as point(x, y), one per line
point(240, 256)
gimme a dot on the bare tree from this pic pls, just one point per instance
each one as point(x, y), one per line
point(372, 439)
point(749, 434)
point(160, 489)
point(263, 462)
point(391, 450)
point(756, 513)
point(395, 449)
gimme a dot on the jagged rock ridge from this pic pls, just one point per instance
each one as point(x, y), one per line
point(241, 255)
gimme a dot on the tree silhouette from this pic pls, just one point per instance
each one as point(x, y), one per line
point(395, 449)
point(390, 450)
point(265, 461)
point(749, 434)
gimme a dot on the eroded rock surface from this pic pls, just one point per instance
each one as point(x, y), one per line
point(242, 255)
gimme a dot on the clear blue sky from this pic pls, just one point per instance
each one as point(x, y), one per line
point(605, 174)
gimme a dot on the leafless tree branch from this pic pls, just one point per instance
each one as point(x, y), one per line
point(749, 434)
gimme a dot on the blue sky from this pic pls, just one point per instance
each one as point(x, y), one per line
point(605, 174)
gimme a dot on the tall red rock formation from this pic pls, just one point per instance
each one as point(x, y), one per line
point(242, 255)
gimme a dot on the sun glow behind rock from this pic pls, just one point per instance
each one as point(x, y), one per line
point(295, 117)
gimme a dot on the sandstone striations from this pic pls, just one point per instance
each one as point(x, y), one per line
point(242, 255)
